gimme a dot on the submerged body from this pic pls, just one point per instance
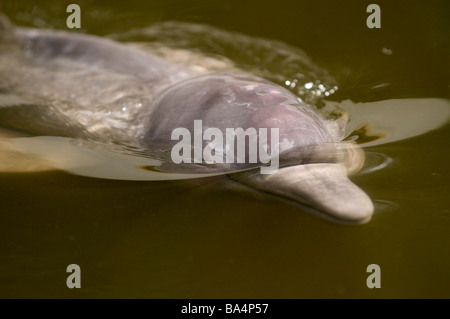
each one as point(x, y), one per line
point(73, 85)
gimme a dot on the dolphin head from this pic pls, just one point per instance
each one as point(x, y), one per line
point(314, 162)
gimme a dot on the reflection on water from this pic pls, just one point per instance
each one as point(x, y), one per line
point(389, 121)
point(394, 120)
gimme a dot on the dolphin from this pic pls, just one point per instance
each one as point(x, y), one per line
point(65, 84)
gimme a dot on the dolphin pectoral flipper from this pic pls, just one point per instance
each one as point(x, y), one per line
point(324, 187)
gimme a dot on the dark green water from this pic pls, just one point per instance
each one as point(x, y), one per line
point(196, 239)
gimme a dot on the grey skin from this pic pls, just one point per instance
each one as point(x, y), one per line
point(314, 160)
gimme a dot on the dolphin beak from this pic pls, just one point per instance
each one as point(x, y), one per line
point(323, 187)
